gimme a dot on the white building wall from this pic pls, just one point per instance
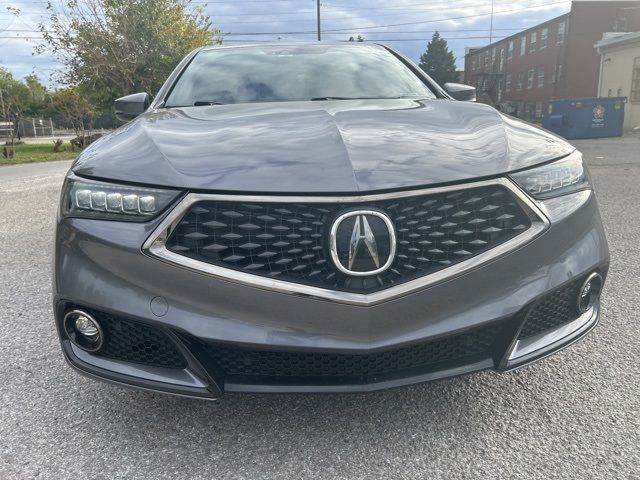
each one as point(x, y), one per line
point(616, 75)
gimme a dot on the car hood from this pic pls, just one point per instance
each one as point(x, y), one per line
point(322, 147)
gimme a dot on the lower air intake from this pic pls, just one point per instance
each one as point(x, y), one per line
point(136, 342)
point(556, 309)
point(258, 366)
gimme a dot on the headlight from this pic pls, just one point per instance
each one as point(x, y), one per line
point(93, 199)
point(557, 178)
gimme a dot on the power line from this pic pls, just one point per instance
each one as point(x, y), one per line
point(366, 29)
point(309, 11)
point(450, 18)
point(426, 39)
point(272, 41)
point(405, 32)
point(460, 30)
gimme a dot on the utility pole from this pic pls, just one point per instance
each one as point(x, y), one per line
point(318, 15)
point(491, 25)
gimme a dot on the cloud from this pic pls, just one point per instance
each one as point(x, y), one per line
point(411, 23)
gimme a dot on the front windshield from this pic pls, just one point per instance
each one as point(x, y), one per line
point(294, 73)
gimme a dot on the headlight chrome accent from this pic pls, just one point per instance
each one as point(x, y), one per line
point(110, 201)
point(561, 177)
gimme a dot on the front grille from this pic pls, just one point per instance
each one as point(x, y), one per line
point(556, 309)
point(137, 342)
point(289, 241)
point(245, 365)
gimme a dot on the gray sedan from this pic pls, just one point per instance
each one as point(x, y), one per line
point(320, 218)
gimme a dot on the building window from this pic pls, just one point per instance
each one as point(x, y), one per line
point(544, 35)
point(533, 43)
point(520, 81)
point(559, 72)
point(473, 63)
point(493, 56)
point(523, 45)
point(510, 50)
point(538, 109)
point(635, 81)
point(562, 27)
point(501, 59)
point(508, 82)
point(500, 90)
point(530, 76)
point(486, 59)
point(540, 76)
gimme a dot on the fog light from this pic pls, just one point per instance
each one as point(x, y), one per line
point(589, 292)
point(86, 327)
point(83, 330)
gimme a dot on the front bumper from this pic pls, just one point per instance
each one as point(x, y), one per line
point(99, 265)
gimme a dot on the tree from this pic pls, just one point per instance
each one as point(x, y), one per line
point(359, 38)
point(14, 101)
point(112, 48)
point(438, 61)
point(38, 93)
point(73, 109)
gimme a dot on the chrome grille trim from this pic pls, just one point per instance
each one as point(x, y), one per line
point(155, 245)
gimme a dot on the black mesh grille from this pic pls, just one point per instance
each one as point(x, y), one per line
point(286, 367)
point(553, 311)
point(290, 241)
point(138, 343)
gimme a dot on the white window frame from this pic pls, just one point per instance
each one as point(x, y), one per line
point(533, 42)
point(562, 32)
point(510, 50)
point(540, 77)
point(531, 73)
point(634, 92)
point(544, 37)
point(523, 45)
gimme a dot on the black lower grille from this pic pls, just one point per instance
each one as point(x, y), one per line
point(556, 309)
point(289, 241)
point(293, 367)
point(137, 342)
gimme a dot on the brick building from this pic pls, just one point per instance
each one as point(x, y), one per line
point(554, 59)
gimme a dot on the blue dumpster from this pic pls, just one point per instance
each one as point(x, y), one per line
point(585, 117)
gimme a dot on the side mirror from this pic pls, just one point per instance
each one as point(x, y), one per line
point(129, 107)
point(459, 91)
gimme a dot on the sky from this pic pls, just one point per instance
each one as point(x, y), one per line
point(406, 25)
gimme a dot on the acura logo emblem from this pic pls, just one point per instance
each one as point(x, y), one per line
point(362, 242)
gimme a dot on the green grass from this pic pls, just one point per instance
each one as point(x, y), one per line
point(29, 153)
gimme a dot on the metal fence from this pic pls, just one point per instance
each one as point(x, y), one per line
point(36, 127)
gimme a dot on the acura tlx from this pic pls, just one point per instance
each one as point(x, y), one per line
point(320, 218)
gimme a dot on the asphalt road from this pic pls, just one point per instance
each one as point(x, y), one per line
point(575, 415)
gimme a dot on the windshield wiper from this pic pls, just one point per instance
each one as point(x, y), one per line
point(316, 99)
point(201, 103)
